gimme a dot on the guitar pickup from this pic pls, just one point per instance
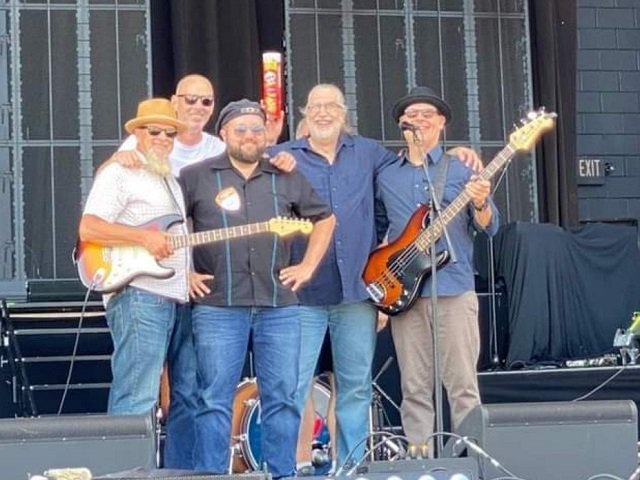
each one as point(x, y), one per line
point(375, 292)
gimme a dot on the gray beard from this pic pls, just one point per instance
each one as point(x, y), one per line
point(157, 164)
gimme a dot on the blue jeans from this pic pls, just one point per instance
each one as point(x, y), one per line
point(140, 324)
point(221, 337)
point(178, 447)
point(352, 328)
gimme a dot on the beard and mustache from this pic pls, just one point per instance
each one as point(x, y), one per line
point(157, 163)
point(242, 155)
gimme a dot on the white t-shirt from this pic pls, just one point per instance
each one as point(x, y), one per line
point(183, 155)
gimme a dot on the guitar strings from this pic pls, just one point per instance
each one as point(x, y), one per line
point(388, 275)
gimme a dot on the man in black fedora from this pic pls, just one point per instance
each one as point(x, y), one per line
point(423, 115)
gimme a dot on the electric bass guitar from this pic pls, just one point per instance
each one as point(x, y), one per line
point(395, 273)
point(107, 269)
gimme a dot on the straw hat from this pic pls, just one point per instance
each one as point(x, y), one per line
point(155, 110)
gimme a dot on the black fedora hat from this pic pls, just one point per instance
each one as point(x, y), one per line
point(421, 95)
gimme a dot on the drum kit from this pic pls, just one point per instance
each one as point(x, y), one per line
point(246, 428)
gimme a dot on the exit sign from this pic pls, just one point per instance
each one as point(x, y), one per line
point(591, 171)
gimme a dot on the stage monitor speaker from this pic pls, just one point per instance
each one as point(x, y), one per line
point(101, 443)
point(436, 469)
point(554, 440)
point(164, 474)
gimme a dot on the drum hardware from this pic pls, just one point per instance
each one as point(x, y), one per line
point(380, 425)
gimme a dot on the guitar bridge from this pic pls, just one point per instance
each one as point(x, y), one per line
point(375, 292)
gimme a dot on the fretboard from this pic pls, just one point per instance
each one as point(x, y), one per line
point(435, 229)
point(211, 236)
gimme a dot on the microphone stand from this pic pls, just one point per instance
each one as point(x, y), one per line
point(434, 215)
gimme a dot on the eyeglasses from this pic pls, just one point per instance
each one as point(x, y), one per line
point(426, 114)
point(155, 131)
point(241, 130)
point(189, 99)
point(331, 108)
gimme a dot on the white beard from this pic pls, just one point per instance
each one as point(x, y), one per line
point(157, 164)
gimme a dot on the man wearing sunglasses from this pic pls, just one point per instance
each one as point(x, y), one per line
point(194, 104)
point(141, 315)
point(247, 287)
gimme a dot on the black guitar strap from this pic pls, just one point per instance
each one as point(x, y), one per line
point(440, 178)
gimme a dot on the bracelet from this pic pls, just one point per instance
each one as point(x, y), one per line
point(482, 207)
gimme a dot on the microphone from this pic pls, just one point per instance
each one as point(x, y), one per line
point(407, 126)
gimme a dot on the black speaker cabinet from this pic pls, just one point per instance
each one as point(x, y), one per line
point(101, 443)
point(554, 440)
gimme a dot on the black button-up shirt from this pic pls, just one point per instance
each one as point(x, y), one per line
point(246, 268)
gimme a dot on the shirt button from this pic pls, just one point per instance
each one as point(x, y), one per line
point(248, 203)
point(253, 249)
point(253, 274)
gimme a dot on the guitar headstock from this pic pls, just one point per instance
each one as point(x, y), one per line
point(536, 123)
point(284, 226)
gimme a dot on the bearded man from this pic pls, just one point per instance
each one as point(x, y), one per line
point(142, 314)
point(246, 286)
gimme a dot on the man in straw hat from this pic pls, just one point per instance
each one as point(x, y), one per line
point(400, 187)
point(141, 315)
point(194, 102)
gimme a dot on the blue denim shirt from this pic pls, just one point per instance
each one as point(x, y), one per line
point(403, 186)
point(348, 187)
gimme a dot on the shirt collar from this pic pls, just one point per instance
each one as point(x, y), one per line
point(223, 162)
point(345, 140)
point(433, 156)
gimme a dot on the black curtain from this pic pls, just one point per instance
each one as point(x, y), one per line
point(554, 51)
point(567, 291)
point(219, 39)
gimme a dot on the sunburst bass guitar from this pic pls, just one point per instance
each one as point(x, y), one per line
point(107, 269)
point(395, 273)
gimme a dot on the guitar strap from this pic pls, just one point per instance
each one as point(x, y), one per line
point(440, 177)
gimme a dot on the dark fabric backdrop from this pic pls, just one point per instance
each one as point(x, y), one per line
point(554, 52)
point(567, 291)
point(216, 38)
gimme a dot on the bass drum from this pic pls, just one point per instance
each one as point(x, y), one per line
point(246, 428)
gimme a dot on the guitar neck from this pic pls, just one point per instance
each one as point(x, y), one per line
point(435, 229)
point(212, 236)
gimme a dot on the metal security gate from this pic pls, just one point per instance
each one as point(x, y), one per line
point(70, 74)
point(475, 52)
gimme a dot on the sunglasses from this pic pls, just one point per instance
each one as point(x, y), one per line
point(155, 131)
point(241, 130)
point(189, 99)
point(426, 114)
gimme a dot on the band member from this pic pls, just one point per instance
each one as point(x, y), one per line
point(400, 188)
point(141, 315)
point(194, 102)
point(247, 286)
point(342, 168)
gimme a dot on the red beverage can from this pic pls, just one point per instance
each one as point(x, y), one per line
point(272, 94)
